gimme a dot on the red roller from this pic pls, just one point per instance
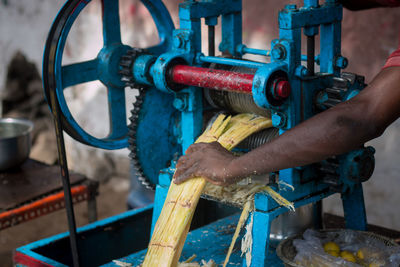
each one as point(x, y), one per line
point(212, 78)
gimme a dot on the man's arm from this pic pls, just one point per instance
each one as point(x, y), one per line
point(366, 4)
point(340, 129)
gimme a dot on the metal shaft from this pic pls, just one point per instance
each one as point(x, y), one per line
point(212, 78)
point(65, 179)
point(317, 210)
point(310, 54)
point(231, 62)
point(211, 40)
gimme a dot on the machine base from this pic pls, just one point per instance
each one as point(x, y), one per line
point(128, 234)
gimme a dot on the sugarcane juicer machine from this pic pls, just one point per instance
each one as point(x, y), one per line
point(178, 85)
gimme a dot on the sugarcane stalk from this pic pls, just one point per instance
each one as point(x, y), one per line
point(174, 221)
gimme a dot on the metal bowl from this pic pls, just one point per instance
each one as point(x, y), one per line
point(286, 251)
point(15, 142)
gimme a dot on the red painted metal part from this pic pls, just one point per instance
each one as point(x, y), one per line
point(41, 207)
point(212, 78)
point(282, 89)
point(25, 260)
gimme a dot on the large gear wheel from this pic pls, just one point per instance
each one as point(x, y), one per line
point(138, 171)
point(126, 64)
point(151, 139)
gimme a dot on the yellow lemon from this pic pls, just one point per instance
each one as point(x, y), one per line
point(333, 253)
point(331, 246)
point(348, 256)
point(360, 254)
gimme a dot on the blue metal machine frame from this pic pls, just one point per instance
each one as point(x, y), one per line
point(285, 57)
point(342, 174)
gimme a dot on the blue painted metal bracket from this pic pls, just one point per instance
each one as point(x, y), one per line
point(197, 10)
point(354, 209)
point(291, 18)
point(161, 194)
point(190, 13)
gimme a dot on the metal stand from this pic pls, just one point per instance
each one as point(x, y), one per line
point(354, 209)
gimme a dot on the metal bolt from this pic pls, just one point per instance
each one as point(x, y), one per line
point(278, 120)
point(278, 52)
point(240, 49)
point(341, 62)
point(179, 103)
point(282, 90)
point(301, 71)
point(177, 42)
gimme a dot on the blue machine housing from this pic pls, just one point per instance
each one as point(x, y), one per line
point(309, 95)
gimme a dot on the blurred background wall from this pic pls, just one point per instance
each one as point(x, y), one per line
point(368, 38)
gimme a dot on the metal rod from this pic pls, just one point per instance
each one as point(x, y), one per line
point(255, 51)
point(231, 62)
point(310, 54)
point(211, 40)
point(212, 78)
point(317, 210)
point(65, 178)
point(243, 49)
point(316, 58)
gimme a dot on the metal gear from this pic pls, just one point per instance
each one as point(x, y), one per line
point(341, 85)
point(336, 94)
point(126, 64)
point(132, 141)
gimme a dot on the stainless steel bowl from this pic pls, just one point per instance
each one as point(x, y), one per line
point(291, 223)
point(15, 142)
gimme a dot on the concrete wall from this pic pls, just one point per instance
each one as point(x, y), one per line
point(368, 38)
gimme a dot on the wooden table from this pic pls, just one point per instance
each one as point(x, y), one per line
point(35, 189)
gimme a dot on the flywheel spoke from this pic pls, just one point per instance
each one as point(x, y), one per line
point(111, 24)
point(116, 107)
point(79, 73)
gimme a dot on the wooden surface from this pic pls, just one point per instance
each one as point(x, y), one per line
point(29, 182)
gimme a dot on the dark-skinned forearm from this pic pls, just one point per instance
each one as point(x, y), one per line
point(330, 133)
point(360, 4)
point(335, 131)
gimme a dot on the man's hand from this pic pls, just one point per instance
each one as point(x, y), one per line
point(208, 160)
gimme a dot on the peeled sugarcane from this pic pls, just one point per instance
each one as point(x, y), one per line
point(174, 221)
point(278, 198)
point(243, 217)
point(247, 208)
